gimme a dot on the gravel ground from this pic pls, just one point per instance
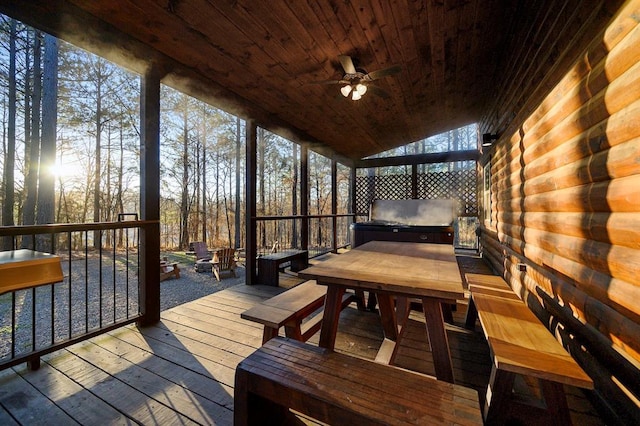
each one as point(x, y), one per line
point(193, 285)
point(98, 297)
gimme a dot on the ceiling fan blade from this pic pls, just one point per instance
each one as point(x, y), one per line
point(347, 64)
point(374, 75)
point(328, 82)
point(378, 91)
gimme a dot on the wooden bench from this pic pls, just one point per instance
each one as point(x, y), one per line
point(290, 309)
point(486, 284)
point(521, 346)
point(269, 265)
point(342, 390)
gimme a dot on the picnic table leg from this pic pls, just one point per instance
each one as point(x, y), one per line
point(268, 334)
point(251, 409)
point(438, 339)
point(497, 402)
point(472, 315)
point(388, 316)
point(332, 308)
point(556, 401)
point(293, 331)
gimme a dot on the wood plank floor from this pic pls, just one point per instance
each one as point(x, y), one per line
point(181, 371)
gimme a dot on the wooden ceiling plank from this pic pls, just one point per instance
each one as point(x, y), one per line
point(436, 16)
point(244, 19)
point(277, 41)
point(261, 54)
point(396, 31)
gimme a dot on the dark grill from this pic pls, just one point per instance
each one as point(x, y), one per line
point(420, 221)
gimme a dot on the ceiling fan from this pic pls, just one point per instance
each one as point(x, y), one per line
point(356, 81)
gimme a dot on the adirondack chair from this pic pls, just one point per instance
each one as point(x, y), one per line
point(224, 260)
point(168, 270)
point(202, 256)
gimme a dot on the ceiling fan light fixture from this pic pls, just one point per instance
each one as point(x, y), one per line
point(356, 95)
point(345, 90)
point(361, 89)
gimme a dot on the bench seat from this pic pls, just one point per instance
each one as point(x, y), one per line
point(290, 309)
point(485, 284)
point(338, 389)
point(521, 345)
point(269, 265)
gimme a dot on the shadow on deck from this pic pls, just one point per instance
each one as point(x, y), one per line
point(181, 371)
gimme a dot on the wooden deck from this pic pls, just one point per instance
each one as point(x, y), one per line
point(181, 371)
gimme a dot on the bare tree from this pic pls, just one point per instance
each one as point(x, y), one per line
point(46, 187)
point(10, 154)
point(237, 204)
point(31, 184)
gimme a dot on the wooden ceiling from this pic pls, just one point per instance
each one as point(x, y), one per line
point(258, 59)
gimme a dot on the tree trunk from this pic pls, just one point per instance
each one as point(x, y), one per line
point(29, 212)
point(294, 197)
point(455, 133)
point(46, 193)
point(238, 187)
point(184, 202)
point(119, 202)
point(196, 189)
point(10, 158)
point(261, 161)
point(216, 218)
point(204, 180)
point(97, 172)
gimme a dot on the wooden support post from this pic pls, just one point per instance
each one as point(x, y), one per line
point(150, 198)
point(304, 196)
point(414, 181)
point(251, 208)
point(334, 205)
point(352, 191)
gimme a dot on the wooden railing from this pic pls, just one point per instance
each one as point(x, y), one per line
point(102, 287)
point(324, 233)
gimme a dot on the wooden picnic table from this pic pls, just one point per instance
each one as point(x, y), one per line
point(399, 270)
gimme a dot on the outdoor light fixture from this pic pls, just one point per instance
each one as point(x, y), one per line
point(361, 89)
point(345, 90)
point(488, 138)
point(355, 90)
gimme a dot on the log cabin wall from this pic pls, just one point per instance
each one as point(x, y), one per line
point(562, 217)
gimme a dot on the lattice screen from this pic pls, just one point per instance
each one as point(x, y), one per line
point(457, 184)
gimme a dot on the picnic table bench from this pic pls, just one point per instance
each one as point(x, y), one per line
point(520, 346)
point(269, 265)
point(290, 309)
point(342, 390)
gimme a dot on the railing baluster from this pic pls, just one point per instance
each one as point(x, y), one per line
point(86, 281)
point(127, 269)
point(69, 235)
point(114, 274)
point(100, 276)
point(13, 324)
point(53, 313)
point(33, 318)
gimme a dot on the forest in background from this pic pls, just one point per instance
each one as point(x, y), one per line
point(71, 151)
